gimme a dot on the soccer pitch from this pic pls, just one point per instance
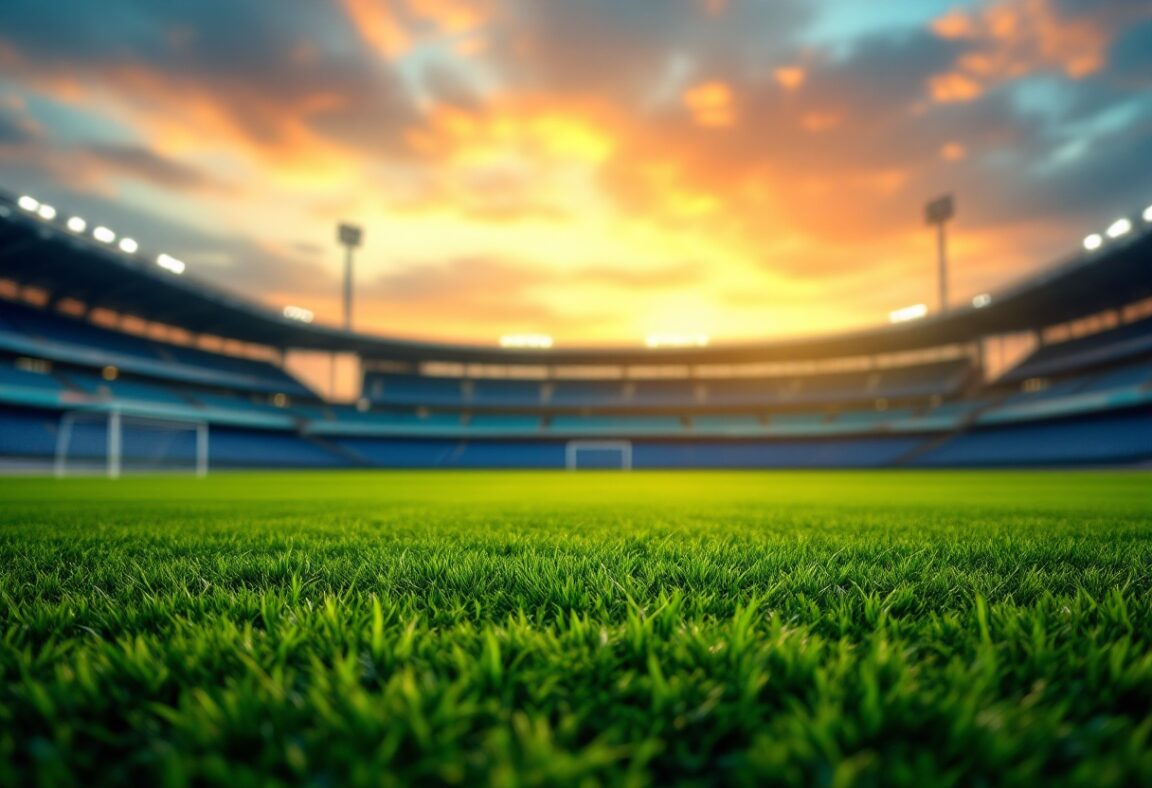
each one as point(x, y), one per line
point(549, 628)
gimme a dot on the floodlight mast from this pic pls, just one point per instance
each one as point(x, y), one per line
point(350, 237)
point(937, 213)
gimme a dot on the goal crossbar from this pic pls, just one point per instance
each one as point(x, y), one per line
point(573, 449)
point(114, 443)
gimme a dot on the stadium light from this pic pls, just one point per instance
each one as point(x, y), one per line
point(981, 300)
point(351, 237)
point(128, 245)
point(676, 340)
point(46, 212)
point(1118, 228)
point(103, 235)
point(29, 204)
point(77, 225)
point(526, 341)
point(170, 263)
point(298, 313)
point(1093, 242)
point(937, 214)
point(1148, 214)
point(914, 312)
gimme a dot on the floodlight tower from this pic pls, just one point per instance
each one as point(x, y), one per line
point(937, 213)
point(350, 237)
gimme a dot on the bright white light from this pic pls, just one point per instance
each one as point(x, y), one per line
point(28, 203)
point(526, 341)
point(170, 263)
point(1148, 214)
point(914, 312)
point(77, 225)
point(981, 300)
point(1093, 242)
point(298, 313)
point(676, 340)
point(1118, 228)
point(103, 235)
point(128, 245)
point(47, 212)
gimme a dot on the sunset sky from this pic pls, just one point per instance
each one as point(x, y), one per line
point(598, 170)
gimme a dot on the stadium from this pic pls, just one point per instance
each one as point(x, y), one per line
point(549, 393)
point(918, 393)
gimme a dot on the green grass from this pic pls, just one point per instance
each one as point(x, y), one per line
point(535, 628)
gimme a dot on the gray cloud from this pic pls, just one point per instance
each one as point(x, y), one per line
point(138, 162)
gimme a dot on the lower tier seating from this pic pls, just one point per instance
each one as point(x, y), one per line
point(1110, 438)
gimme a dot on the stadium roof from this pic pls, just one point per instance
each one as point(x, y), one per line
point(45, 254)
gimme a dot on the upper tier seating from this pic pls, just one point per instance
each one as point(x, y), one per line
point(506, 393)
point(25, 329)
point(1123, 386)
point(664, 393)
point(1106, 347)
point(588, 394)
point(14, 377)
point(414, 390)
point(124, 389)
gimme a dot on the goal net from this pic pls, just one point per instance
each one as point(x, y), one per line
point(598, 455)
point(114, 443)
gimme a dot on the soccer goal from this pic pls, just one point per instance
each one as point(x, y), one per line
point(598, 455)
point(114, 443)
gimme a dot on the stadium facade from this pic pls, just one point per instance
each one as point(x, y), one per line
point(111, 359)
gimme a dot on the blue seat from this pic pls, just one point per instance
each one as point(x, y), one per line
point(22, 378)
point(726, 421)
point(588, 393)
point(664, 393)
point(415, 390)
point(1110, 438)
point(1105, 347)
point(504, 421)
point(506, 393)
point(612, 425)
point(70, 340)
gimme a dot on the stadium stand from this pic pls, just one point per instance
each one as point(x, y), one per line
point(72, 341)
point(915, 395)
point(1106, 347)
point(1106, 439)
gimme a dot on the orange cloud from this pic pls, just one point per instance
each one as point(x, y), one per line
point(515, 160)
point(185, 119)
point(954, 87)
point(953, 151)
point(387, 25)
point(512, 128)
point(790, 77)
point(451, 16)
point(713, 7)
point(711, 104)
point(377, 24)
point(1012, 39)
point(821, 121)
point(954, 24)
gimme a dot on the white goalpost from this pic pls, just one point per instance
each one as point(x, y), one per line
point(113, 443)
point(622, 450)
